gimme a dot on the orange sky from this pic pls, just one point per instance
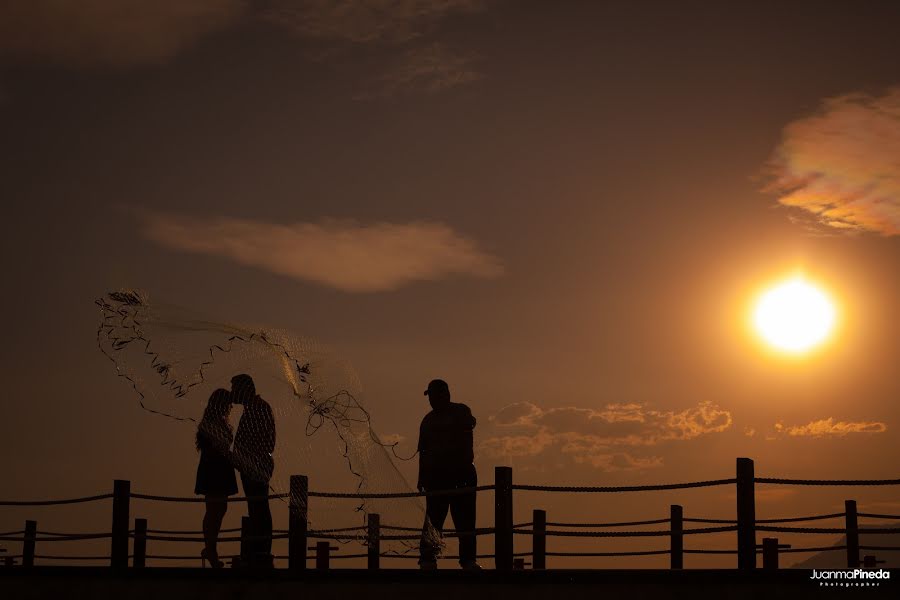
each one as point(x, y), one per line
point(564, 212)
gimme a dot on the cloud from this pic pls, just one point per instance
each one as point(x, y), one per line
point(429, 69)
point(841, 164)
point(108, 33)
point(343, 255)
point(828, 427)
point(598, 437)
point(419, 64)
point(364, 21)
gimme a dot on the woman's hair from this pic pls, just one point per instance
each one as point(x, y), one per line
point(215, 416)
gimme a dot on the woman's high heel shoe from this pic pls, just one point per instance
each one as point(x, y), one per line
point(213, 559)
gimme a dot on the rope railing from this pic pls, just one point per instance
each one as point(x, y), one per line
point(55, 502)
point(50, 557)
point(653, 533)
point(826, 529)
point(372, 532)
point(61, 538)
point(624, 488)
point(827, 481)
point(599, 554)
point(798, 519)
point(614, 524)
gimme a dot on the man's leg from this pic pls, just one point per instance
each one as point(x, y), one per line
point(259, 516)
point(265, 521)
point(462, 510)
point(436, 508)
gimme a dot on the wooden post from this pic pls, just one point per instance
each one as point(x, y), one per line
point(373, 540)
point(323, 555)
point(28, 543)
point(852, 534)
point(245, 543)
point(746, 515)
point(140, 544)
point(676, 537)
point(503, 519)
point(118, 555)
point(770, 554)
point(298, 522)
point(539, 539)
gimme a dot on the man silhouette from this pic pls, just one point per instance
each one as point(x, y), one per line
point(254, 443)
point(445, 462)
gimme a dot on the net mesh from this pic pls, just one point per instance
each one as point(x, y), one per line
point(175, 359)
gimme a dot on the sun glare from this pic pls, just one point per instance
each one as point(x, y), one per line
point(794, 316)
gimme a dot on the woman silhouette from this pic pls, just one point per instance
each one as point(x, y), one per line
point(215, 473)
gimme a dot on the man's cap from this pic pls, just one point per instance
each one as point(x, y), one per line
point(437, 385)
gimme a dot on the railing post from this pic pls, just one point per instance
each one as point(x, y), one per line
point(323, 554)
point(28, 543)
point(770, 554)
point(852, 534)
point(140, 544)
point(118, 555)
point(373, 540)
point(746, 515)
point(503, 519)
point(245, 543)
point(539, 539)
point(298, 522)
point(676, 537)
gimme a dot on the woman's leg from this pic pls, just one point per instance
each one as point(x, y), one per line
point(216, 507)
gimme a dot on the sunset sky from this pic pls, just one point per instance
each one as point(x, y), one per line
point(566, 210)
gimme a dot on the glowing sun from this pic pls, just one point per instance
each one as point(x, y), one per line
point(794, 316)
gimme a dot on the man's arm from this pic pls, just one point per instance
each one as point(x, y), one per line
point(420, 448)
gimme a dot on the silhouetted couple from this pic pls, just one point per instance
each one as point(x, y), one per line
point(251, 455)
point(446, 458)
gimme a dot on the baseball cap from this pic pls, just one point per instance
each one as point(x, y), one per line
point(437, 385)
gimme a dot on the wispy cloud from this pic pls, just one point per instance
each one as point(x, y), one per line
point(429, 69)
point(598, 437)
point(364, 21)
point(416, 61)
point(841, 164)
point(831, 428)
point(339, 254)
point(108, 33)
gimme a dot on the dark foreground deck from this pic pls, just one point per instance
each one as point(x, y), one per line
point(195, 584)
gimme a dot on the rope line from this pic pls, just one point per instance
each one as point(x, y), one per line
point(815, 549)
point(626, 488)
point(67, 538)
point(193, 499)
point(877, 516)
point(54, 502)
point(619, 524)
point(795, 519)
point(449, 492)
point(709, 521)
point(11, 533)
point(179, 532)
point(828, 481)
point(635, 553)
point(879, 547)
point(49, 557)
point(825, 530)
point(626, 533)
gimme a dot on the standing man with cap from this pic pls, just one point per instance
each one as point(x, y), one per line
point(446, 458)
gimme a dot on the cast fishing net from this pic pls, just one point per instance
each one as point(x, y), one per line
point(175, 358)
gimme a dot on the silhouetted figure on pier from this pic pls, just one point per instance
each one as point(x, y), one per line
point(254, 444)
point(215, 473)
point(445, 461)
